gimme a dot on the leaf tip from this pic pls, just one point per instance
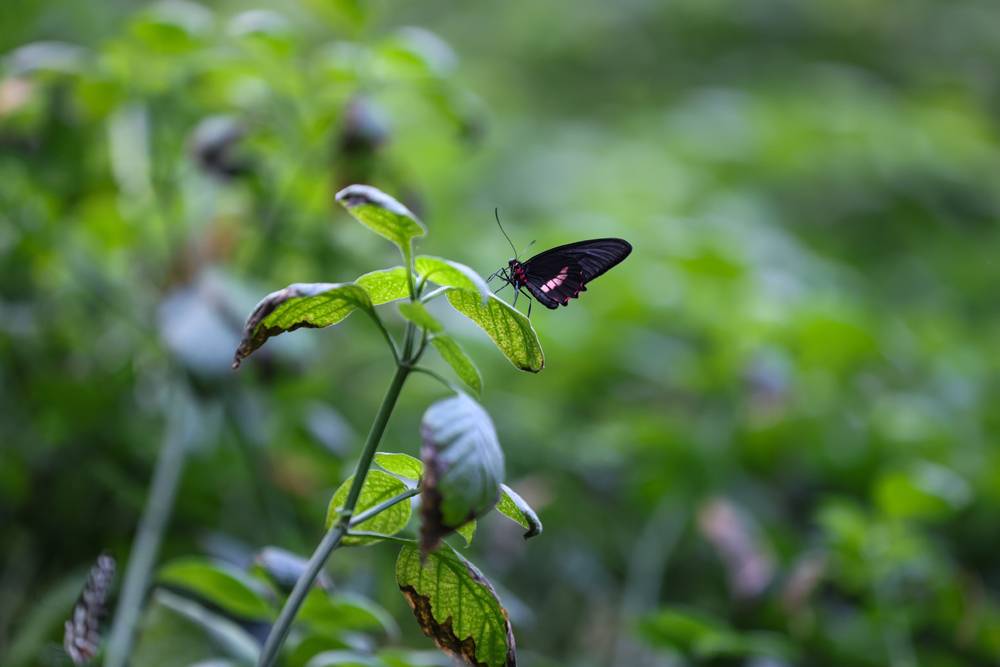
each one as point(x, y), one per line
point(360, 195)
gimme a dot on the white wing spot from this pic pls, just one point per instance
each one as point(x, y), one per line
point(557, 281)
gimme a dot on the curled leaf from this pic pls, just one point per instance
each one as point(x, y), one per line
point(459, 361)
point(456, 607)
point(463, 467)
point(510, 330)
point(515, 507)
point(313, 305)
point(382, 214)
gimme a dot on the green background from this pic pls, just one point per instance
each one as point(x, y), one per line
point(768, 438)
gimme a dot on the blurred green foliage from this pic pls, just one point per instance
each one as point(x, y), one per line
point(768, 437)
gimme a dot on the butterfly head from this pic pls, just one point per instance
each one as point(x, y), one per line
point(517, 273)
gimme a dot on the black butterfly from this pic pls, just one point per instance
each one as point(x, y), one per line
point(559, 274)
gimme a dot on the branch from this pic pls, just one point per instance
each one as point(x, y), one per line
point(279, 631)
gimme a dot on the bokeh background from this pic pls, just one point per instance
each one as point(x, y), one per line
point(768, 438)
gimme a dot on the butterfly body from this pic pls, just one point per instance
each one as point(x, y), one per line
point(559, 274)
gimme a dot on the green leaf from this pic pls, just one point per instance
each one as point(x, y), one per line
point(177, 632)
point(463, 467)
point(385, 285)
point(447, 273)
point(459, 361)
point(382, 214)
point(924, 491)
point(227, 588)
point(509, 329)
point(312, 644)
point(403, 465)
point(467, 531)
point(705, 637)
point(515, 507)
point(333, 615)
point(418, 314)
point(378, 487)
point(313, 305)
point(456, 606)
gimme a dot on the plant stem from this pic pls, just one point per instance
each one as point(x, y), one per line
point(386, 335)
point(390, 538)
point(166, 475)
point(439, 378)
point(383, 506)
point(279, 631)
point(434, 294)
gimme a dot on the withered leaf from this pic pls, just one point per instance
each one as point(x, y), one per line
point(313, 305)
point(456, 606)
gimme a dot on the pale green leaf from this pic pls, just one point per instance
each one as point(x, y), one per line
point(382, 214)
point(447, 273)
point(510, 330)
point(467, 531)
point(385, 285)
point(403, 465)
point(459, 361)
point(313, 305)
point(225, 587)
point(515, 507)
point(419, 315)
point(456, 606)
point(378, 487)
point(463, 466)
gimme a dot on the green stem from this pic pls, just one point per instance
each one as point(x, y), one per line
point(279, 631)
point(423, 345)
point(391, 538)
point(408, 256)
point(385, 334)
point(434, 293)
point(439, 378)
point(383, 506)
point(163, 489)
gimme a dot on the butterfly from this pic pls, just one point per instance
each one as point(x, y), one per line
point(82, 633)
point(559, 274)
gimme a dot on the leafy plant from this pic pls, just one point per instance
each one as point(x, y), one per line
point(461, 471)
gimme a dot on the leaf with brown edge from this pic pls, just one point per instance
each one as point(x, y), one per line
point(463, 467)
point(456, 606)
point(313, 305)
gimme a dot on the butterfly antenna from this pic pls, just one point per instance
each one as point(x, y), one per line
point(496, 214)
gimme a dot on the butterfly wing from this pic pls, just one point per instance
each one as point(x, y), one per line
point(561, 273)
